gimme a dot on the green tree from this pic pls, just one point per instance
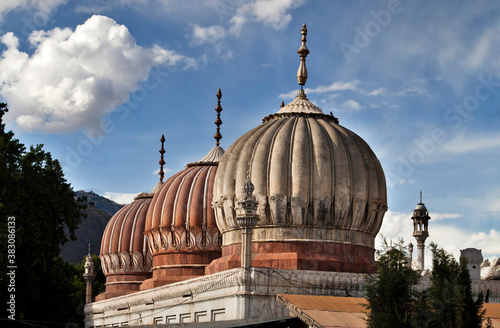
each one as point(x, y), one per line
point(450, 294)
point(34, 192)
point(393, 299)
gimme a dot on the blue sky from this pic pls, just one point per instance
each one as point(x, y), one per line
point(98, 82)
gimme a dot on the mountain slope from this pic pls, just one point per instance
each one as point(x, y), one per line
point(91, 228)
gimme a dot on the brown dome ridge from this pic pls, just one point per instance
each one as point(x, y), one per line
point(180, 225)
point(181, 228)
point(125, 257)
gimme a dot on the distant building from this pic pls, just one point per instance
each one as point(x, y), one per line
point(292, 207)
point(474, 259)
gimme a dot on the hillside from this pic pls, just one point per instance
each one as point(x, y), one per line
point(100, 202)
point(91, 228)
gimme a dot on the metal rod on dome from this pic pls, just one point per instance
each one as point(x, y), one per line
point(162, 161)
point(218, 121)
point(303, 52)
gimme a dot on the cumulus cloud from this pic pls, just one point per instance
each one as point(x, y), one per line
point(120, 198)
point(399, 225)
point(75, 77)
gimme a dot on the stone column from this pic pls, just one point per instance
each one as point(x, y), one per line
point(420, 260)
point(89, 277)
point(247, 218)
point(410, 255)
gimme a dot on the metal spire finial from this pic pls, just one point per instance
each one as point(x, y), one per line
point(218, 121)
point(420, 196)
point(303, 52)
point(89, 248)
point(162, 162)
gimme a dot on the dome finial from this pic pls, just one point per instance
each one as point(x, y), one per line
point(162, 162)
point(420, 196)
point(303, 52)
point(218, 121)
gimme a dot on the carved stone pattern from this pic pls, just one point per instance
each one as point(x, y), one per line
point(125, 262)
point(162, 240)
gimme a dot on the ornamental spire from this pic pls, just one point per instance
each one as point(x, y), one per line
point(162, 162)
point(303, 52)
point(218, 121)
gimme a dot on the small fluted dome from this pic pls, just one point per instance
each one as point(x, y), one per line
point(125, 258)
point(315, 181)
point(180, 224)
point(420, 207)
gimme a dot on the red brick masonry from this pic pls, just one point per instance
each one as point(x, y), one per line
point(299, 255)
point(173, 267)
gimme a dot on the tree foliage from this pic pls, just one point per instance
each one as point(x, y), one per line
point(391, 293)
point(395, 302)
point(451, 303)
point(33, 191)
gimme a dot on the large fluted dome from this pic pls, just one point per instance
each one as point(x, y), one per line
point(321, 191)
point(180, 224)
point(125, 257)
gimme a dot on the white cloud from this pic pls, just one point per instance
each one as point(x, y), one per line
point(377, 92)
point(274, 13)
point(417, 87)
point(269, 12)
point(444, 216)
point(463, 143)
point(351, 105)
point(43, 7)
point(211, 34)
point(120, 198)
point(75, 77)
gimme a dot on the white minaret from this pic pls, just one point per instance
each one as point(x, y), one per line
point(420, 230)
point(247, 217)
point(89, 276)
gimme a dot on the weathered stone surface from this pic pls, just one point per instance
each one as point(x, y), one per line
point(490, 272)
point(315, 181)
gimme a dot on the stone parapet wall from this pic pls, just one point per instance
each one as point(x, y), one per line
point(235, 294)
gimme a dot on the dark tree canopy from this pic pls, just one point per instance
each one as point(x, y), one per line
point(450, 295)
point(448, 303)
point(391, 293)
point(33, 191)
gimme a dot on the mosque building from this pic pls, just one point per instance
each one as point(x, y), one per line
point(291, 208)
